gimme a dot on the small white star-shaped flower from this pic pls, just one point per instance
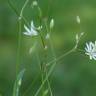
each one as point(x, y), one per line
point(91, 50)
point(30, 31)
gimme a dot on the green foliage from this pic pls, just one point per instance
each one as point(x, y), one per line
point(62, 74)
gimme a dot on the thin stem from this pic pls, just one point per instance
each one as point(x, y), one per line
point(51, 69)
point(32, 84)
point(49, 3)
point(80, 50)
point(16, 12)
point(44, 46)
point(40, 18)
point(19, 38)
point(40, 12)
point(21, 13)
point(52, 48)
point(54, 58)
point(18, 48)
point(12, 7)
point(42, 40)
point(36, 78)
point(51, 94)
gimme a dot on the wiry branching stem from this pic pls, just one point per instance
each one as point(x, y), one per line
point(19, 36)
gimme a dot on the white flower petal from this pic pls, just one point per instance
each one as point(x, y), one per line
point(86, 49)
point(87, 46)
point(95, 43)
point(34, 32)
point(94, 57)
point(26, 33)
point(32, 25)
point(91, 45)
point(26, 28)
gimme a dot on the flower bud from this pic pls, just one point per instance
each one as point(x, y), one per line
point(78, 19)
point(51, 23)
point(34, 3)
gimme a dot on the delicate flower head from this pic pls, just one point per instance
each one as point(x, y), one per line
point(31, 31)
point(91, 50)
point(78, 19)
point(51, 23)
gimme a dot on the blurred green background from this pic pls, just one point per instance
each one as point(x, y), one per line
point(74, 75)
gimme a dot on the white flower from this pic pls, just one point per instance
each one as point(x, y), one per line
point(91, 50)
point(78, 19)
point(51, 23)
point(31, 31)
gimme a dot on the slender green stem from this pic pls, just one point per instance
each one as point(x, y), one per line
point(37, 77)
point(49, 73)
point(80, 50)
point(43, 64)
point(18, 48)
point(40, 18)
point(40, 12)
point(49, 86)
point(30, 86)
point(50, 41)
point(54, 58)
point(52, 67)
point(43, 43)
point(21, 13)
point(13, 8)
point(42, 40)
point(16, 12)
point(19, 38)
point(20, 16)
